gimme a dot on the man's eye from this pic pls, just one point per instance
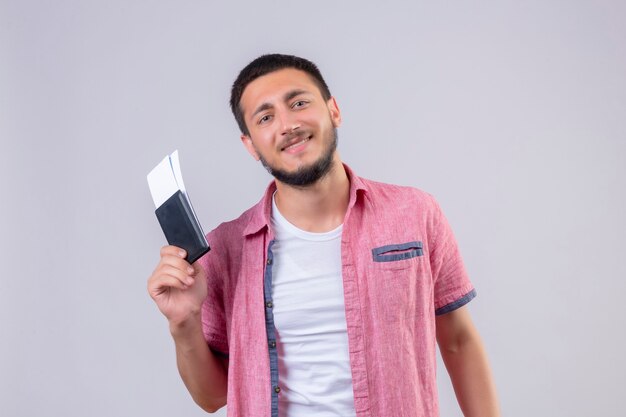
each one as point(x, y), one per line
point(265, 119)
point(299, 103)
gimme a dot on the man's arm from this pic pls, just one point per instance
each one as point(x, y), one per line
point(466, 361)
point(179, 289)
point(204, 374)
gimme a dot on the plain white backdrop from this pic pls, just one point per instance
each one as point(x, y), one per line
point(513, 114)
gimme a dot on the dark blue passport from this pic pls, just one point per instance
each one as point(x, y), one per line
point(181, 227)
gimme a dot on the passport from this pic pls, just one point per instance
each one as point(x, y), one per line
point(174, 211)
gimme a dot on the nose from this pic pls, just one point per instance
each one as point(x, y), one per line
point(288, 122)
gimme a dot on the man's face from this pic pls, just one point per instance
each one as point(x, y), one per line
point(292, 129)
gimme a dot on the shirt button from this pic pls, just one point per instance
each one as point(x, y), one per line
point(269, 304)
point(269, 261)
point(272, 343)
point(276, 389)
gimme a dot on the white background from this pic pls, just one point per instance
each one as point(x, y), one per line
point(511, 113)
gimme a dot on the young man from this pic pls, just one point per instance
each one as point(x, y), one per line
point(327, 298)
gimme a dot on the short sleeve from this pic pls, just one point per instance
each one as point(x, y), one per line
point(452, 287)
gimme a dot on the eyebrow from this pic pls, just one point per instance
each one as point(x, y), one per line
point(293, 93)
point(288, 96)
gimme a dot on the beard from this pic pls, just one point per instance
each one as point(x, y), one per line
point(309, 174)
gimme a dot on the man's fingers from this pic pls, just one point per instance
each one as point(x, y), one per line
point(178, 263)
point(182, 276)
point(160, 283)
point(173, 271)
point(173, 251)
point(166, 284)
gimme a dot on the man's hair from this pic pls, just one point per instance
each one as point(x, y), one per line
point(264, 65)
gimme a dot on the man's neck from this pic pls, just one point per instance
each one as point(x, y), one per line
point(319, 207)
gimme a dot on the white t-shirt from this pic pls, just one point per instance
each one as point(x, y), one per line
point(309, 316)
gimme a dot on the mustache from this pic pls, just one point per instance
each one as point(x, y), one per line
point(293, 137)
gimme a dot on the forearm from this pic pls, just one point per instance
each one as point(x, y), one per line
point(471, 378)
point(203, 373)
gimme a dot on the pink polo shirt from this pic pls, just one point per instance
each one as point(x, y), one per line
point(401, 267)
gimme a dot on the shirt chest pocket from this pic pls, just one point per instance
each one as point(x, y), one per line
point(394, 254)
point(398, 277)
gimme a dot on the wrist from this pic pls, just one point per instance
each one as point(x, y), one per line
point(185, 327)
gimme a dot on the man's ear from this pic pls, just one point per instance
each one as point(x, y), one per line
point(247, 142)
point(335, 113)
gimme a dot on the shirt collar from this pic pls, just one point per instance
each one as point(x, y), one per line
point(261, 213)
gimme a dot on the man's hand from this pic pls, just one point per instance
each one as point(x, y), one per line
point(177, 287)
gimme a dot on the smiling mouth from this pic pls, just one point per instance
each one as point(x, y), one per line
point(297, 143)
